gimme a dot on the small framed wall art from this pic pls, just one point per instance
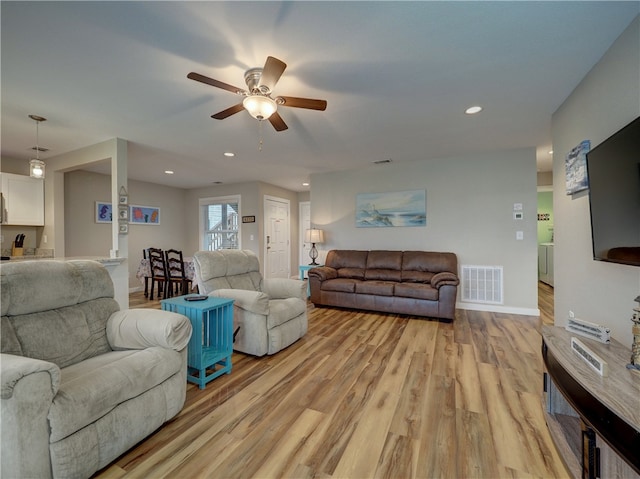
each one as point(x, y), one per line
point(144, 215)
point(104, 212)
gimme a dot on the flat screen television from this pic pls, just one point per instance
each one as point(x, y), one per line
point(613, 171)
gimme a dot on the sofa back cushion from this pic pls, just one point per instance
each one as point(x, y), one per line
point(348, 263)
point(56, 311)
point(227, 269)
point(384, 266)
point(429, 261)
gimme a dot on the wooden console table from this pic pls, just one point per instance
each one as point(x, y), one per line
point(593, 420)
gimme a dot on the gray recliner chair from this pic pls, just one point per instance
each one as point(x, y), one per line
point(82, 380)
point(271, 313)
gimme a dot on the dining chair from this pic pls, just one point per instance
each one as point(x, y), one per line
point(158, 268)
point(176, 274)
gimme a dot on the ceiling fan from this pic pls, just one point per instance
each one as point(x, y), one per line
point(258, 100)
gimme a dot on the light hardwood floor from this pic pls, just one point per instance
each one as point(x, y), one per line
point(367, 395)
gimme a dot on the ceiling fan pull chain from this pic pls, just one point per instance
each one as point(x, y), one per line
point(260, 139)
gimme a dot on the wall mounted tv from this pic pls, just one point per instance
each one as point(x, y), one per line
point(613, 169)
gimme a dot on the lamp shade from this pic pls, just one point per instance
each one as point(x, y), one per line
point(36, 168)
point(259, 107)
point(314, 236)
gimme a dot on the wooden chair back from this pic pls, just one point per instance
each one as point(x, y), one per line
point(176, 274)
point(158, 268)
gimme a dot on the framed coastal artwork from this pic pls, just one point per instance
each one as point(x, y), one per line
point(144, 215)
point(384, 210)
point(104, 212)
point(576, 168)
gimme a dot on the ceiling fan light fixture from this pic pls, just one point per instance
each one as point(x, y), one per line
point(260, 107)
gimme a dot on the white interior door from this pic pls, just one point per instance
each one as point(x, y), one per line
point(305, 224)
point(277, 246)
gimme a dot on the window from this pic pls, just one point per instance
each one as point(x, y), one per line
point(219, 221)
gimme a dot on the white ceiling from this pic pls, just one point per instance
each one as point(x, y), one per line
point(397, 77)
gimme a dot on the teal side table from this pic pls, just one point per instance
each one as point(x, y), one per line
point(303, 269)
point(211, 344)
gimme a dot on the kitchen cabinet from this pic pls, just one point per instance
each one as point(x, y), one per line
point(22, 200)
point(545, 263)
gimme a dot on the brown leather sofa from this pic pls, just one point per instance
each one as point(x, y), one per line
point(420, 283)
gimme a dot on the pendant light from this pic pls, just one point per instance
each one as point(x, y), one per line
point(36, 166)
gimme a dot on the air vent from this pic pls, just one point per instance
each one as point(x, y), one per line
point(41, 149)
point(482, 284)
point(382, 162)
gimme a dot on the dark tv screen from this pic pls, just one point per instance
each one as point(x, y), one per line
point(613, 170)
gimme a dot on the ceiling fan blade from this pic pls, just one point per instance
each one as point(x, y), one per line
point(277, 122)
point(228, 112)
point(216, 83)
point(307, 103)
point(271, 73)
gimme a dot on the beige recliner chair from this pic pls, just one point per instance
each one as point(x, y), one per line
point(82, 380)
point(271, 313)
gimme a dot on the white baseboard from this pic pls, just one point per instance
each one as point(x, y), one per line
point(135, 290)
point(494, 308)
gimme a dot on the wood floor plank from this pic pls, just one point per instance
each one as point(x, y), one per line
point(438, 449)
point(367, 395)
point(479, 457)
point(468, 386)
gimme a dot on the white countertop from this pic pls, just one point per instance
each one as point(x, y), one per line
point(99, 259)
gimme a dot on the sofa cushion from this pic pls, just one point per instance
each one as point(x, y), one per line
point(346, 259)
point(340, 285)
point(430, 261)
point(416, 291)
point(354, 273)
point(62, 336)
point(90, 389)
point(378, 288)
point(283, 310)
point(384, 260)
point(58, 283)
point(383, 275)
point(411, 276)
point(231, 269)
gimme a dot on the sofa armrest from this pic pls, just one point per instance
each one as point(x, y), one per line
point(323, 273)
point(143, 328)
point(254, 301)
point(444, 277)
point(282, 288)
point(14, 368)
point(28, 388)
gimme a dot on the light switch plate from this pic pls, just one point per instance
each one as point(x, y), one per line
point(519, 235)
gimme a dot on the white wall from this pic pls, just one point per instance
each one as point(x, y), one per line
point(251, 204)
point(85, 237)
point(607, 99)
point(469, 212)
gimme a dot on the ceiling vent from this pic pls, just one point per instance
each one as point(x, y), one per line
point(41, 149)
point(382, 162)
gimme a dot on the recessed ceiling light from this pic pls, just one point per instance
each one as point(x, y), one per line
point(551, 152)
point(305, 184)
point(168, 172)
point(472, 110)
point(229, 154)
